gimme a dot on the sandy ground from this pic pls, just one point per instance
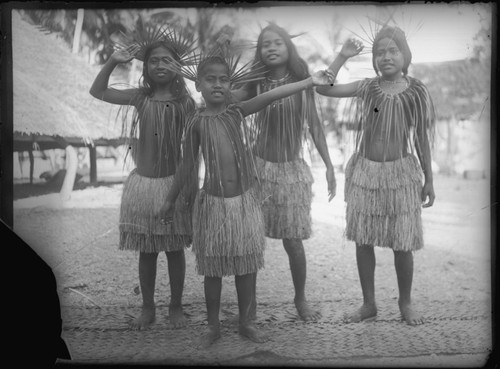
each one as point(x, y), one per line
point(79, 238)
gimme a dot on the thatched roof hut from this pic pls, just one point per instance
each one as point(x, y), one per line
point(51, 93)
point(460, 89)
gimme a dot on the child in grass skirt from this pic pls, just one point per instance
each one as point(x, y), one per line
point(158, 118)
point(228, 227)
point(280, 131)
point(383, 189)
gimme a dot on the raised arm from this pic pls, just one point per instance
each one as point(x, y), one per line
point(349, 49)
point(100, 88)
point(261, 101)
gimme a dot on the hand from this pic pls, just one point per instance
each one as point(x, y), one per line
point(352, 47)
point(332, 183)
point(124, 55)
point(428, 192)
point(322, 78)
point(166, 213)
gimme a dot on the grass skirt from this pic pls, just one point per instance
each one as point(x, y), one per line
point(140, 228)
point(228, 234)
point(384, 203)
point(287, 192)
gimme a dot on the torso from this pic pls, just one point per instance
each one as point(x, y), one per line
point(227, 158)
point(161, 125)
point(279, 126)
point(386, 131)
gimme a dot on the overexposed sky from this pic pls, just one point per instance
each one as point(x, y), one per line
point(436, 32)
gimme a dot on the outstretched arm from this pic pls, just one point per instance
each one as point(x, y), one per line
point(319, 139)
point(261, 101)
point(349, 49)
point(100, 89)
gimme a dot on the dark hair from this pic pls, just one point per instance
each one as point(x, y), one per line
point(178, 86)
point(398, 36)
point(295, 64)
point(211, 60)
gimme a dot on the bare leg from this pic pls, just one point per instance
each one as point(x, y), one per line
point(213, 287)
point(365, 258)
point(147, 279)
point(176, 273)
point(297, 260)
point(253, 305)
point(252, 315)
point(403, 261)
point(245, 288)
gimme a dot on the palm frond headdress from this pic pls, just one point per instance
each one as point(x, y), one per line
point(397, 25)
point(145, 35)
point(238, 74)
point(402, 114)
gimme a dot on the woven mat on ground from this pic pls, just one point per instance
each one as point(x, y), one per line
point(452, 327)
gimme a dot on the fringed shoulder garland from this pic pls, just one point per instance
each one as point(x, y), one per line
point(155, 129)
point(216, 130)
point(279, 130)
point(397, 116)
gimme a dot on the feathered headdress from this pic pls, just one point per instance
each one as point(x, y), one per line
point(146, 35)
point(238, 75)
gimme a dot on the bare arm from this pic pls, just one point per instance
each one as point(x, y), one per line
point(183, 173)
point(191, 150)
point(424, 155)
point(349, 49)
point(261, 101)
point(100, 88)
point(319, 139)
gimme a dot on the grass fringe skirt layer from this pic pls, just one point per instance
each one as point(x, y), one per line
point(384, 203)
point(140, 228)
point(228, 234)
point(287, 193)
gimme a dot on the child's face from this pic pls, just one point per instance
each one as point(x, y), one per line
point(273, 51)
point(157, 64)
point(214, 84)
point(388, 58)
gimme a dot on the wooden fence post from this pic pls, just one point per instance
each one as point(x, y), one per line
point(32, 164)
point(69, 178)
point(93, 164)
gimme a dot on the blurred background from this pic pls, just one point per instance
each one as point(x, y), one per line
point(64, 139)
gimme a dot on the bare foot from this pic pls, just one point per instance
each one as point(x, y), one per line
point(210, 337)
point(144, 320)
point(365, 312)
point(305, 312)
point(252, 333)
point(176, 316)
point(411, 316)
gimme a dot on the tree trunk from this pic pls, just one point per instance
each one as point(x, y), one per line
point(78, 31)
point(69, 178)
